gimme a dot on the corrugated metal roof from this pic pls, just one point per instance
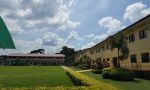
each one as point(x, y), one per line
point(36, 55)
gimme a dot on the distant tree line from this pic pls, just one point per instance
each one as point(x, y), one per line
point(38, 51)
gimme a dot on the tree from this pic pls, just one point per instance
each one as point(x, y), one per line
point(40, 51)
point(120, 42)
point(69, 55)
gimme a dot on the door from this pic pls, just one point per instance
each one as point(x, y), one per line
point(115, 62)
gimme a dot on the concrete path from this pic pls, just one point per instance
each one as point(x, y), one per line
point(64, 67)
point(85, 70)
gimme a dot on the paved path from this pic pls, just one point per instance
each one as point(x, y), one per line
point(84, 70)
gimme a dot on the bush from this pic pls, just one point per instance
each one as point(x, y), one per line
point(121, 74)
point(106, 74)
point(118, 74)
point(97, 71)
point(142, 74)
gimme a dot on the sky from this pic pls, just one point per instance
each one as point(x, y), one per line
point(79, 24)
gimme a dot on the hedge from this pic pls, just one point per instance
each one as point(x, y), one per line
point(90, 83)
point(142, 74)
point(118, 74)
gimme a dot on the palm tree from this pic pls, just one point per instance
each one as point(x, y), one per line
point(120, 42)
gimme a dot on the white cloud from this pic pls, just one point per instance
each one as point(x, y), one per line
point(111, 24)
point(24, 13)
point(101, 37)
point(136, 11)
point(72, 37)
point(88, 45)
point(62, 18)
point(89, 36)
point(52, 39)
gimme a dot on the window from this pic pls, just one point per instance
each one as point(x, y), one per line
point(107, 47)
point(91, 52)
point(145, 57)
point(99, 50)
point(133, 58)
point(103, 48)
point(143, 33)
point(96, 50)
point(108, 59)
point(131, 38)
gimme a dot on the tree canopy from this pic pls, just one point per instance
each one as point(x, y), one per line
point(120, 42)
point(69, 55)
point(38, 51)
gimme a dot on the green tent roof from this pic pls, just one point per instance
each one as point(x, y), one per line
point(6, 41)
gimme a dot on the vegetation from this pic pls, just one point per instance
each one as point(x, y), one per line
point(137, 84)
point(69, 55)
point(142, 74)
point(118, 74)
point(84, 62)
point(38, 51)
point(120, 42)
point(92, 84)
point(32, 76)
point(99, 66)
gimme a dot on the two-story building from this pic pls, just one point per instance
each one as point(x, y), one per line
point(35, 59)
point(138, 42)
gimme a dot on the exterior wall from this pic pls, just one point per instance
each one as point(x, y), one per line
point(137, 47)
point(37, 60)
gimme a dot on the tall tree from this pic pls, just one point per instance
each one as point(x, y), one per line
point(119, 41)
point(69, 54)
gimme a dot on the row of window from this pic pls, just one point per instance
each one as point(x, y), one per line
point(131, 38)
point(36, 57)
point(142, 35)
point(107, 47)
point(144, 58)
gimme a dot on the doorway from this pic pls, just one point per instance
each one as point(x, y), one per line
point(115, 62)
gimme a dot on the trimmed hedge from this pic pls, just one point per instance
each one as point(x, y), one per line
point(118, 74)
point(92, 84)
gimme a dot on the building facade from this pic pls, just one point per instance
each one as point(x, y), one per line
point(35, 59)
point(138, 36)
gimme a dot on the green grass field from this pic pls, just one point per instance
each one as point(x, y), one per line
point(138, 84)
point(31, 76)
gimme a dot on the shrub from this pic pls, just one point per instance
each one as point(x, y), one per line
point(121, 74)
point(142, 74)
point(106, 74)
point(118, 74)
point(97, 71)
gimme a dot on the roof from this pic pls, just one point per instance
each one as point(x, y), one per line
point(36, 55)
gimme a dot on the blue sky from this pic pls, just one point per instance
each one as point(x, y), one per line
point(51, 24)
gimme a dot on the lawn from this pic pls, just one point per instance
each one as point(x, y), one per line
point(138, 84)
point(31, 76)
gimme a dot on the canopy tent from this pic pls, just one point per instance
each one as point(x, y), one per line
point(6, 41)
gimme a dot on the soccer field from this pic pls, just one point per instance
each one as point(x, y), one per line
point(31, 76)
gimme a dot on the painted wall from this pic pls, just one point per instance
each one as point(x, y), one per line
point(137, 47)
